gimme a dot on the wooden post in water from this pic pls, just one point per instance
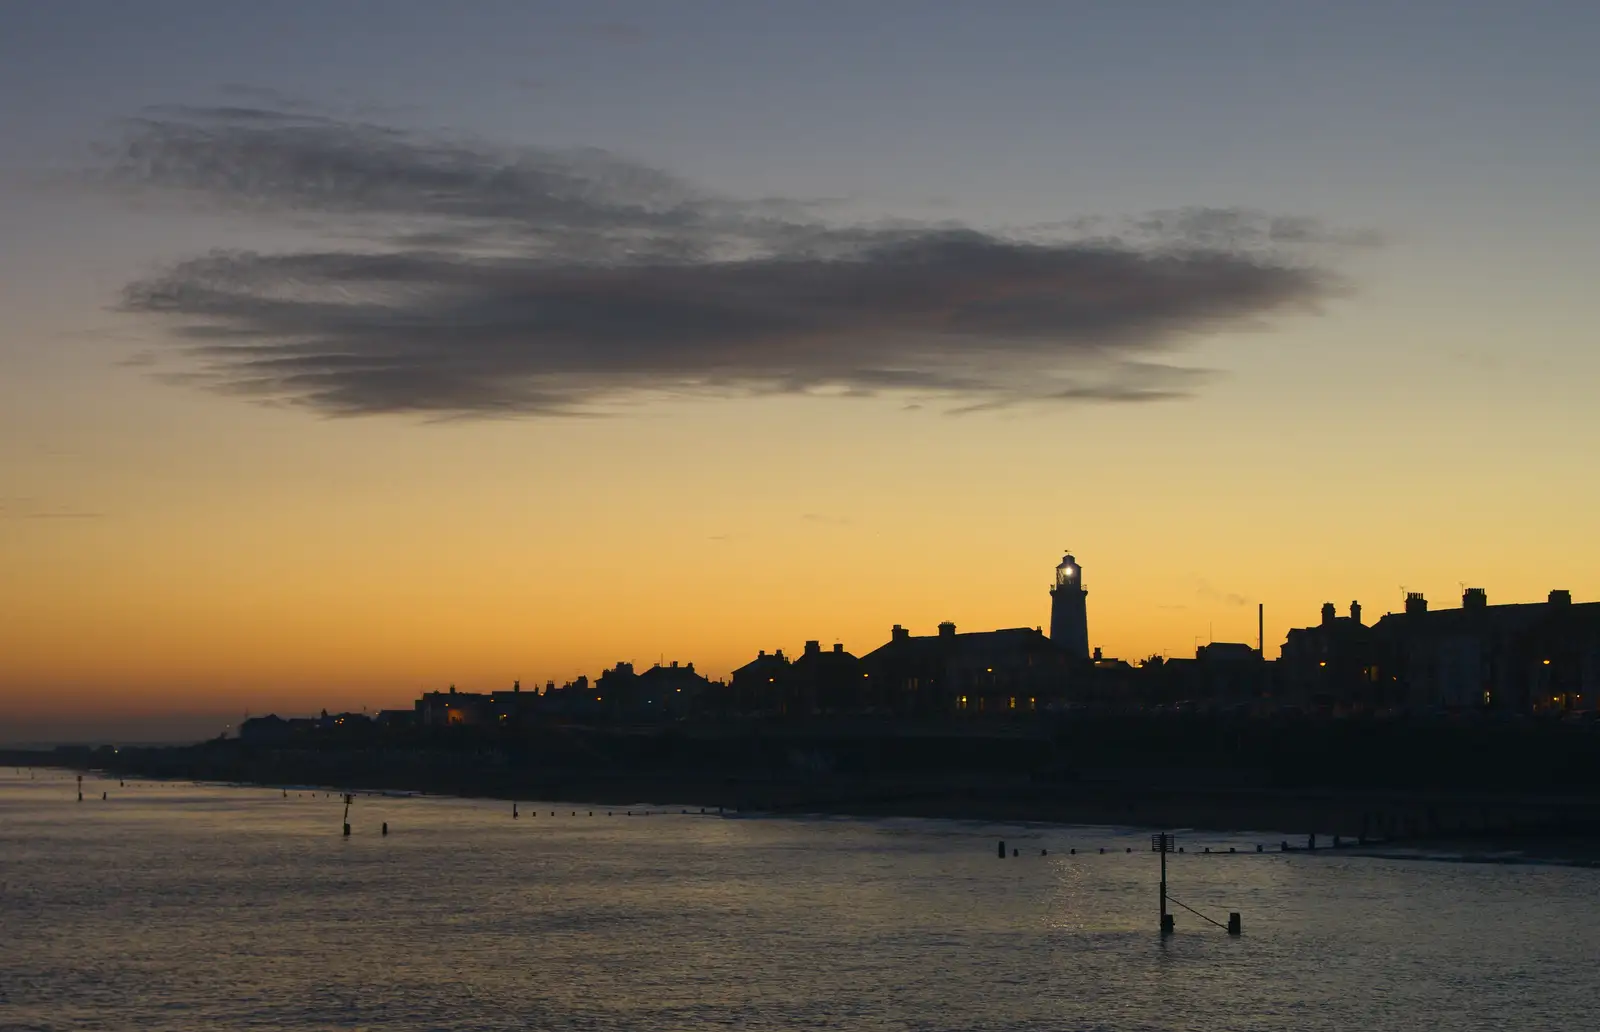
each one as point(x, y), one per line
point(348, 799)
point(1164, 844)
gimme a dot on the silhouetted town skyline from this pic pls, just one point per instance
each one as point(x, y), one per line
point(1520, 658)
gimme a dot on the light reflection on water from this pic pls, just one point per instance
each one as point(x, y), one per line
point(190, 907)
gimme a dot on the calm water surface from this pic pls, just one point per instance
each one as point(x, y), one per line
point(197, 907)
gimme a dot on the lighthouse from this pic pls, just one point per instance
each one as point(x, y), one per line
point(1069, 616)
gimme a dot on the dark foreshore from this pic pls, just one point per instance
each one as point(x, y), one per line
point(1368, 782)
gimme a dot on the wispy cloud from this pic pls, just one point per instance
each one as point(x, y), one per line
point(1204, 590)
point(491, 281)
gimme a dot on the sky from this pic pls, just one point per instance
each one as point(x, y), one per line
point(352, 349)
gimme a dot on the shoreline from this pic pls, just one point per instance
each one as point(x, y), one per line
point(1441, 827)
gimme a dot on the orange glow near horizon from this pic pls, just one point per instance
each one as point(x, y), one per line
point(288, 563)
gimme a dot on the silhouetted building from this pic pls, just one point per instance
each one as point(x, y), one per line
point(1016, 669)
point(343, 722)
point(1233, 673)
point(757, 686)
point(617, 692)
point(1334, 665)
point(507, 709)
point(1107, 684)
point(1527, 657)
point(454, 709)
point(273, 730)
point(395, 719)
point(829, 681)
point(577, 699)
point(1069, 615)
point(665, 692)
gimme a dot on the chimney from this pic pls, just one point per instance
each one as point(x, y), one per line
point(1416, 605)
point(947, 630)
point(674, 664)
point(516, 686)
point(812, 648)
point(1355, 611)
point(761, 653)
point(1097, 653)
point(899, 633)
point(838, 646)
point(1561, 597)
point(1329, 614)
point(1475, 598)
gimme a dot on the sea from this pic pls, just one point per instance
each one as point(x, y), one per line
point(202, 907)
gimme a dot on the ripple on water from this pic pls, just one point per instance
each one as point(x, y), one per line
point(193, 907)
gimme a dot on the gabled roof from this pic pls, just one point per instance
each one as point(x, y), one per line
point(672, 673)
point(764, 662)
point(930, 645)
point(1509, 617)
point(463, 697)
point(824, 657)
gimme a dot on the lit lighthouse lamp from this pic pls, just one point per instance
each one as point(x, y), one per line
point(1069, 617)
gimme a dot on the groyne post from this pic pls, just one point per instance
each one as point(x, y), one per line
point(1164, 843)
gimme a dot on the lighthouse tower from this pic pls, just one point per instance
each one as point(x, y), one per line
point(1069, 616)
